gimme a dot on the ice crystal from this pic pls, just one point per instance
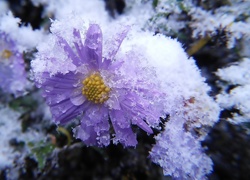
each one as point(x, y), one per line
point(24, 37)
point(11, 130)
point(167, 17)
point(170, 18)
point(180, 79)
point(228, 18)
point(84, 8)
point(179, 153)
point(238, 77)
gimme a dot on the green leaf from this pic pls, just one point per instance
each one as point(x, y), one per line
point(155, 3)
point(41, 150)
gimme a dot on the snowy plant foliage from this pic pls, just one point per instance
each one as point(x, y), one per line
point(227, 18)
point(7, 154)
point(86, 9)
point(238, 97)
point(3, 6)
point(233, 18)
point(11, 130)
point(24, 37)
point(167, 17)
point(179, 153)
point(186, 102)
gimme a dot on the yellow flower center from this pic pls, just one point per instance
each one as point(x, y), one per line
point(94, 89)
point(6, 54)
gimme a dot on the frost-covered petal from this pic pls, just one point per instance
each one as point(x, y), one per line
point(86, 134)
point(113, 44)
point(123, 131)
point(68, 50)
point(94, 128)
point(93, 45)
point(59, 92)
point(179, 153)
point(79, 48)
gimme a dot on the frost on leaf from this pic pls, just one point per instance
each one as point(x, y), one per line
point(235, 90)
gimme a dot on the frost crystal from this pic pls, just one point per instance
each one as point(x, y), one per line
point(83, 8)
point(179, 153)
point(238, 97)
point(225, 18)
point(186, 92)
point(11, 129)
point(177, 149)
point(77, 81)
point(170, 18)
point(8, 128)
point(24, 37)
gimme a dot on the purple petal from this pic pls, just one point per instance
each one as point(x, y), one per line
point(59, 94)
point(80, 48)
point(123, 131)
point(95, 126)
point(77, 97)
point(93, 46)
point(58, 87)
point(117, 41)
point(86, 134)
point(143, 125)
point(65, 111)
point(71, 54)
point(12, 69)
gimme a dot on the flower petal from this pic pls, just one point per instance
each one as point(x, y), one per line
point(95, 123)
point(143, 125)
point(69, 51)
point(80, 48)
point(86, 134)
point(116, 42)
point(123, 131)
point(93, 45)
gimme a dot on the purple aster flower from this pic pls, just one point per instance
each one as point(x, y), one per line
point(12, 71)
point(103, 92)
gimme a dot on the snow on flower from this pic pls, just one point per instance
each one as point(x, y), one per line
point(238, 97)
point(13, 41)
point(191, 110)
point(102, 84)
point(179, 153)
point(186, 91)
point(12, 70)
